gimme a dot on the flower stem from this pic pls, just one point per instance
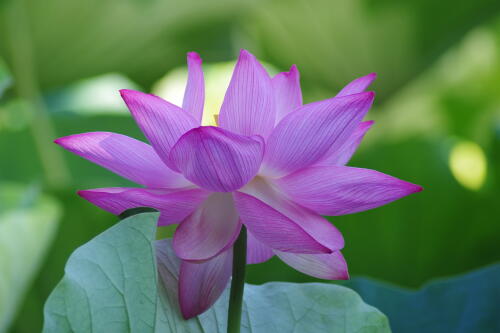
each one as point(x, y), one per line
point(23, 69)
point(237, 282)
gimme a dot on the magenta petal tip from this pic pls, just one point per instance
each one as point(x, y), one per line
point(194, 56)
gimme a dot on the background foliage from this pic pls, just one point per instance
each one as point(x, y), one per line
point(437, 117)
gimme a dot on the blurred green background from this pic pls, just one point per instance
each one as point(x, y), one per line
point(437, 117)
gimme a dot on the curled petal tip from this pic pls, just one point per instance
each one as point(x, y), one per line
point(417, 188)
point(373, 75)
point(293, 70)
point(244, 54)
point(367, 124)
point(194, 56)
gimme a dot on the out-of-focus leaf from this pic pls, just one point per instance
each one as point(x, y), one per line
point(142, 39)
point(28, 221)
point(332, 42)
point(458, 96)
point(464, 304)
point(110, 285)
point(5, 79)
point(407, 241)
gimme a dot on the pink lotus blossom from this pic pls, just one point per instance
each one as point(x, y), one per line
point(273, 164)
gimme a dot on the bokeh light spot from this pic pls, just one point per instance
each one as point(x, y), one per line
point(468, 164)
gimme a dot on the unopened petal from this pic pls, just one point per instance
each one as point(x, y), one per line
point(340, 190)
point(201, 284)
point(304, 136)
point(209, 230)
point(162, 122)
point(130, 158)
point(174, 206)
point(330, 266)
point(216, 159)
point(249, 106)
point(194, 95)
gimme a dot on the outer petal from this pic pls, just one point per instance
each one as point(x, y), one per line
point(201, 284)
point(174, 206)
point(340, 190)
point(249, 106)
point(358, 85)
point(161, 122)
point(257, 252)
point(130, 158)
point(322, 266)
point(211, 229)
point(283, 225)
point(216, 159)
point(287, 92)
point(343, 154)
point(194, 96)
point(304, 136)
point(168, 268)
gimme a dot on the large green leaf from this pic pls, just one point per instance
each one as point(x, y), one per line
point(28, 223)
point(110, 285)
point(464, 304)
point(332, 41)
point(142, 39)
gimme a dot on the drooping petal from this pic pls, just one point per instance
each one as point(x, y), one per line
point(162, 122)
point(287, 92)
point(174, 205)
point(201, 284)
point(248, 107)
point(130, 158)
point(304, 136)
point(209, 230)
point(194, 95)
point(273, 228)
point(331, 266)
point(344, 153)
point(168, 269)
point(216, 159)
point(283, 225)
point(257, 252)
point(340, 190)
point(358, 85)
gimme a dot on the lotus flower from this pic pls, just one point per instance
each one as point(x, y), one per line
point(272, 164)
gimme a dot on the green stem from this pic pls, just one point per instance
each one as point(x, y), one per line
point(25, 80)
point(237, 282)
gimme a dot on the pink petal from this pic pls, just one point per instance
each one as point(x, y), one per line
point(194, 96)
point(283, 225)
point(201, 284)
point(130, 158)
point(339, 190)
point(330, 266)
point(358, 85)
point(304, 136)
point(249, 106)
point(208, 231)
point(344, 153)
point(287, 92)
point(257, 252)
point(174, 206)
point(161, 122)
point(216, 159)
point(168, 268)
